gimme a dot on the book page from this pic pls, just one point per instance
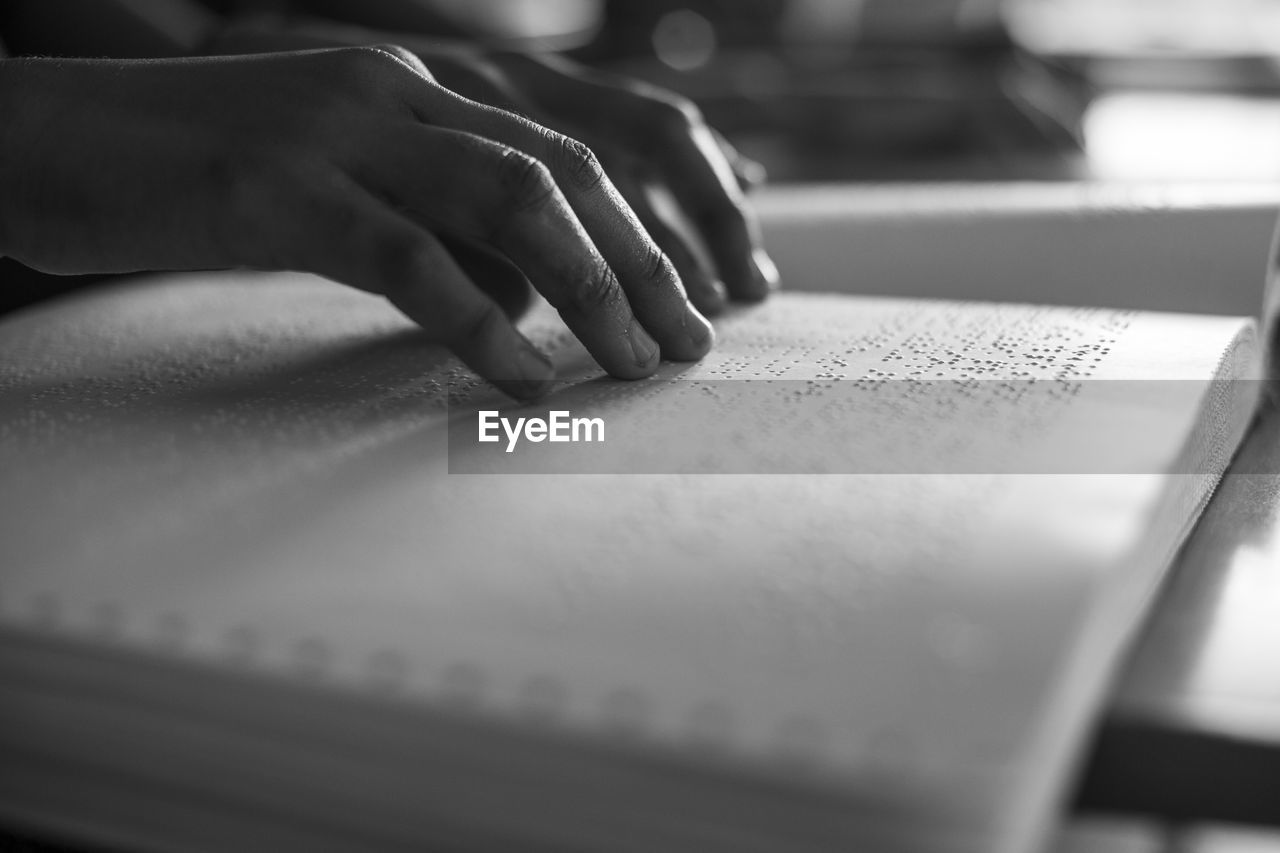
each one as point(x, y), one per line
point(823, 384)
point(265, 472)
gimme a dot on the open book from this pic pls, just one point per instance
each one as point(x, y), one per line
point(856, 581)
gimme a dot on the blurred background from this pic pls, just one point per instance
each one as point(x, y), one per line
point(962, 90)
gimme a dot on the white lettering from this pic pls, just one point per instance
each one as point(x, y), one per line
point(560, 426)
point(587, 425)
point(487, 423)
point(513, 435)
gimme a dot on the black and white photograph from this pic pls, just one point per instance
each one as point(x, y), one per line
point(639, 426)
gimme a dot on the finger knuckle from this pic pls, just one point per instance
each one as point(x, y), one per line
point(389, 58)
point(592, 293)
point(371, 76)
point(578, 163)
point(526, 182)
point(655, 266)
point(361, 63)
point(398, 53)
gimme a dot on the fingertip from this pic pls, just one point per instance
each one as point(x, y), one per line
point(645, 349)
point(698, 338)
point(521, 390)
point(761, 279)
point(710, 296)
point(766, 270)
point(751, 174)
point(522, 372)
point(535, 374)
point(751, 287)
point(701, 333)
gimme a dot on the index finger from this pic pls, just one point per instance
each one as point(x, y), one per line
point(473, 188)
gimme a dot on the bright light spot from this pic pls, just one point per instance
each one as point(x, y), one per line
point(1200, 137)
point(1132, 27)
point(526, 19)
point(684, 40)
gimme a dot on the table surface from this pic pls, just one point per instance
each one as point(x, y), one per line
point(1193, 731)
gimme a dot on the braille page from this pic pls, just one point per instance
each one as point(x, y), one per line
point(823, 384)
point(254, 469)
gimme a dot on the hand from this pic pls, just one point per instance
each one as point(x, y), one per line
point(647, 139)
point(353, 164)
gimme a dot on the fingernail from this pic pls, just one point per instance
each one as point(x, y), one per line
point(717, 292)
point(643, 346)
point(535, 371)
point(711, 297)
point(753, 171)
point(766, 269)
point(698, 327)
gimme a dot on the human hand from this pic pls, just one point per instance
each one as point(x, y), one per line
point(645, 137)
point(353, 164)
point(650, 141)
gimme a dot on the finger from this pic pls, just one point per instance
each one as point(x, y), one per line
point(478, 190)
point(652, 287)
point(348, 235)
point(704, 183)
point(696, 269)
point(501, 280)
point(669, 131)
point(487, 84)
point(750, 174)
